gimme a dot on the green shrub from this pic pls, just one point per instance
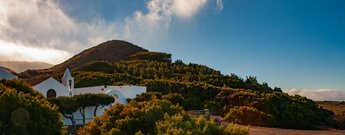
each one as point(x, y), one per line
point(183, 124)
point(22, 113)
point(151, 56)
point(131, 118)
point(98, 66)
point(21, 86)
point(248, 116)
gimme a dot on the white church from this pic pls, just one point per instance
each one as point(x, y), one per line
point(53, 88)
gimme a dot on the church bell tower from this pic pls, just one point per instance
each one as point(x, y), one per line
point(68, 81)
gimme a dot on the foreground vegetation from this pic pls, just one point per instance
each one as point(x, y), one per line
point(154, 117)
point(24, 111)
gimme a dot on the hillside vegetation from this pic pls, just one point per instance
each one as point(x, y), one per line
point(243, 101)
point(195, 86)
point(154, 117)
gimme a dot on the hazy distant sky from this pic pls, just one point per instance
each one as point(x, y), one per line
point(293, 44)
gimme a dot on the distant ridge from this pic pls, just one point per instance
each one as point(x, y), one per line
point(20, 66)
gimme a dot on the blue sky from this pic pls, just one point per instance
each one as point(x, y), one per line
point(291, 44)
point(286, 43)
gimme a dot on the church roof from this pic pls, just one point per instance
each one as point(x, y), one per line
point(67, 74)
point(4, 74)
point(48, 81)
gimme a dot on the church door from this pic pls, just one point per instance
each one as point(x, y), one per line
point(51, 93)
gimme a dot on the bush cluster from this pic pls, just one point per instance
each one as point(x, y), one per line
point(24, 111)
point(154, 117)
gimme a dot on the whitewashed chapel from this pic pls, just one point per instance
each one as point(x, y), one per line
point(53, 88)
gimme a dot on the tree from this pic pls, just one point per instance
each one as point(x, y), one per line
point(131, 118)
point(248, 116)
point(174, 98)
point(22, 113)
point(69, 105)
point(88, 100)
point(147, 96)
point(21, 86)
point(151, 56)
point(277, 89)
point(179, 62)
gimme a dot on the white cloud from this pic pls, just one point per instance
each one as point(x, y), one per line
point(319, 95)
point(220, 5)
point(187, 8)
point(41, 25)
point(156, 21)
point(17, 52)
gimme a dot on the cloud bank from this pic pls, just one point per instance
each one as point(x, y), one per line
point(40, 26)
point(319, 95)
point(39, 30)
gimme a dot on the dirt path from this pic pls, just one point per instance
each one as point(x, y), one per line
point(277, 131)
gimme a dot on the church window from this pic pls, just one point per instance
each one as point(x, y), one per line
point(70, 84)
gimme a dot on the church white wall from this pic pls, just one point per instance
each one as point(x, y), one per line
point(51, 83)
point(118, 95)
point(123, 92)
point(88, 115)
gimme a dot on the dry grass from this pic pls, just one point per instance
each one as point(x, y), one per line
point(339, 109)
point(334, 106)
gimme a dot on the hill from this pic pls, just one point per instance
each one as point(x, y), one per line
point(20, 66)
point(112, 51)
